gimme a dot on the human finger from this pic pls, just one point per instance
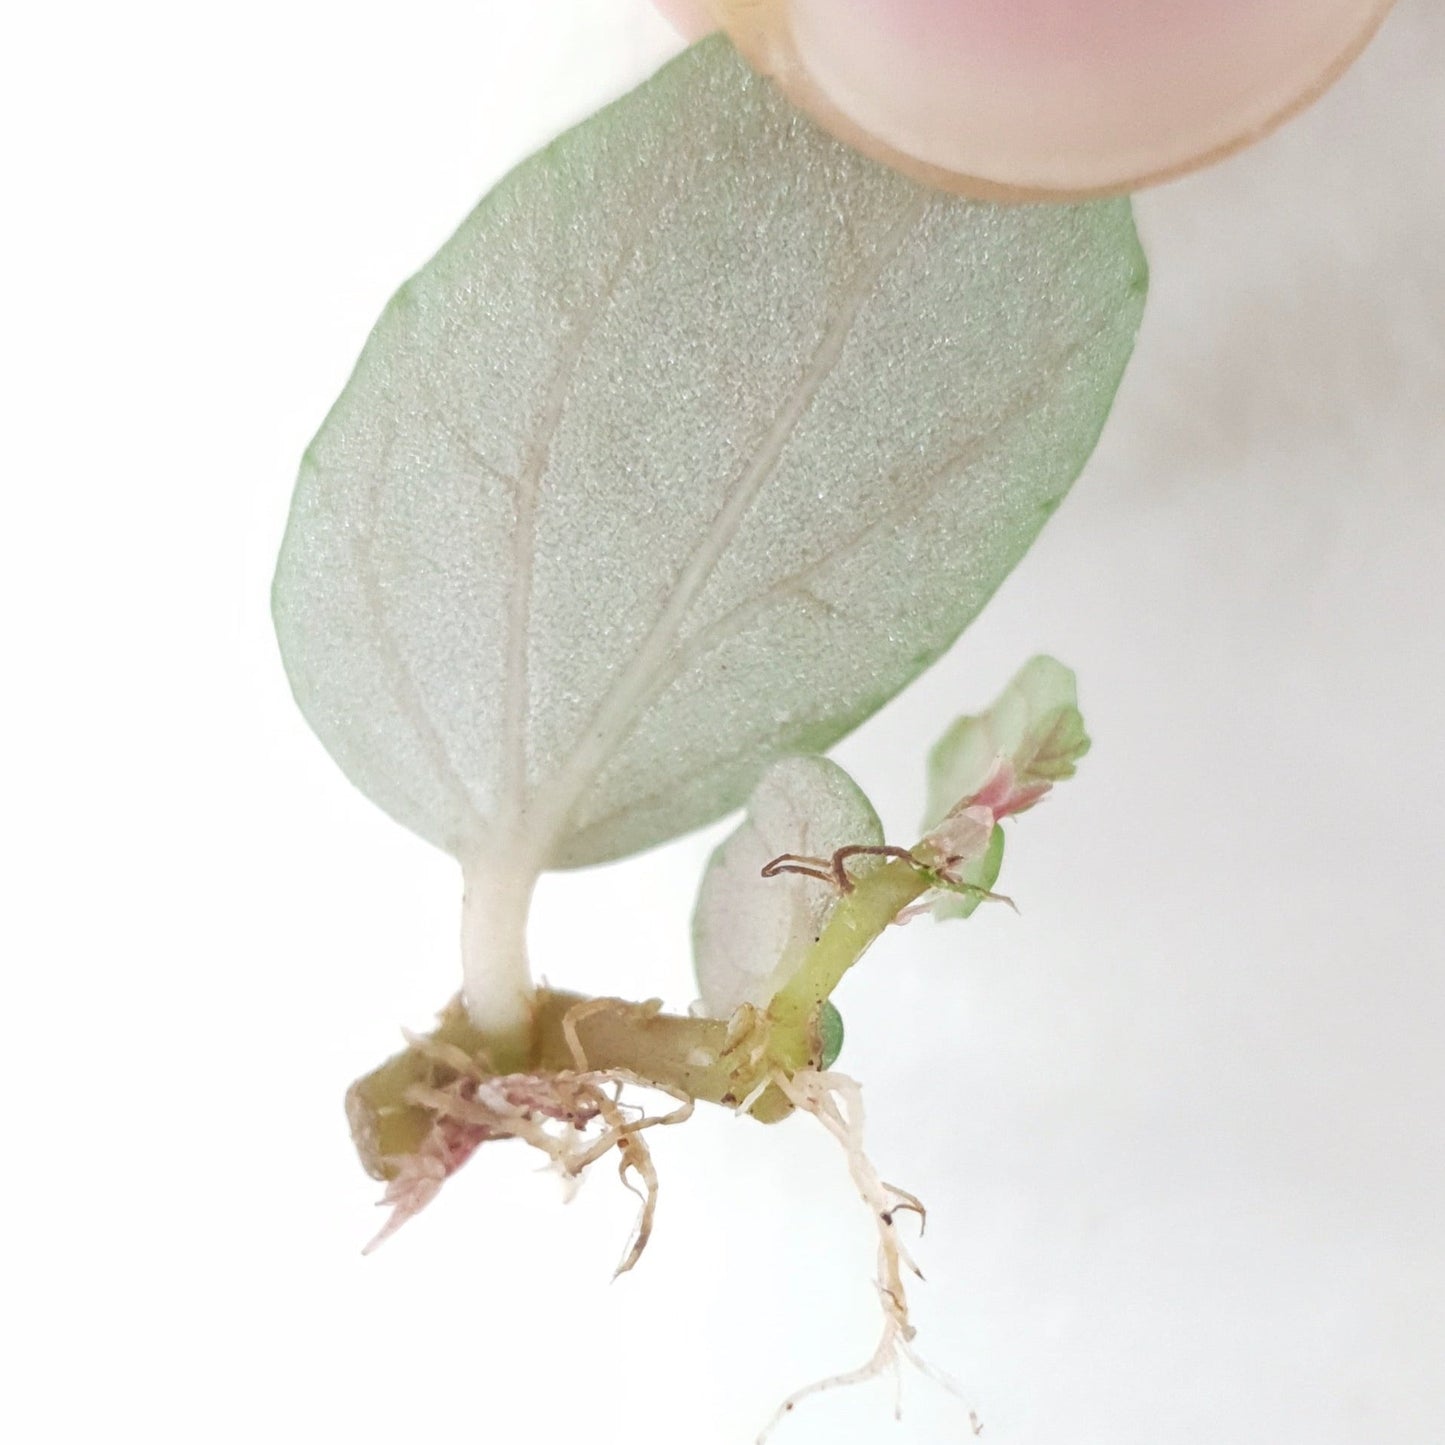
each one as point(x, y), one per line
point(1025, 99)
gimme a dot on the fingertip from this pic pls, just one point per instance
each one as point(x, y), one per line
point(1030, 98)
point(692, 19)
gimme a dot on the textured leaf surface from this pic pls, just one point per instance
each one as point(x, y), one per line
point(749, 933)
point(700, 438)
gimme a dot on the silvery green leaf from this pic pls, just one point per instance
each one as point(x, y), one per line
point(749, 933)
point(700, 438)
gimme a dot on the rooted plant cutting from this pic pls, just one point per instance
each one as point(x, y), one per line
point(701, 438)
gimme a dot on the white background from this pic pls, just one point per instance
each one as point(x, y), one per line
point(1179, 1125)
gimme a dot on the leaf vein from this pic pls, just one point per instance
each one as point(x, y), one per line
point(622, 703)
point(404, 690)
point(732, 621)
point(526, 494)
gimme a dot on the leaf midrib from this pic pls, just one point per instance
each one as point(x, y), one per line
point(615, 713)
point(730, 622)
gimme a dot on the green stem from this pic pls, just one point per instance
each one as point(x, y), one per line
point(692, 1056)
point(704, 1059)
point(876, 900)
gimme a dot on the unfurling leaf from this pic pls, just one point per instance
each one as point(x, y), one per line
point(996, 764)
point(749, 932)
point(700, 438)
point(1008, 757)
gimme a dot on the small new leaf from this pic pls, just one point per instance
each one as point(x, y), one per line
point(750, 933)
point(996, 764)
point(1008, 757)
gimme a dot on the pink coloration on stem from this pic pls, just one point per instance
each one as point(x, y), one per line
point(420, 1176)
point(469, 1111)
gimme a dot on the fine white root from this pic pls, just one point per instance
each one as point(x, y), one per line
point(930, 900)
point(474, 1106)
point(836, 1101)
point(635, 1167)
point(924, 906)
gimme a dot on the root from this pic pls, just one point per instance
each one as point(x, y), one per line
point(834, 870)
point(450, 1103)
point(470, 1106)
point(836, 1101)
point(624, 1135)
